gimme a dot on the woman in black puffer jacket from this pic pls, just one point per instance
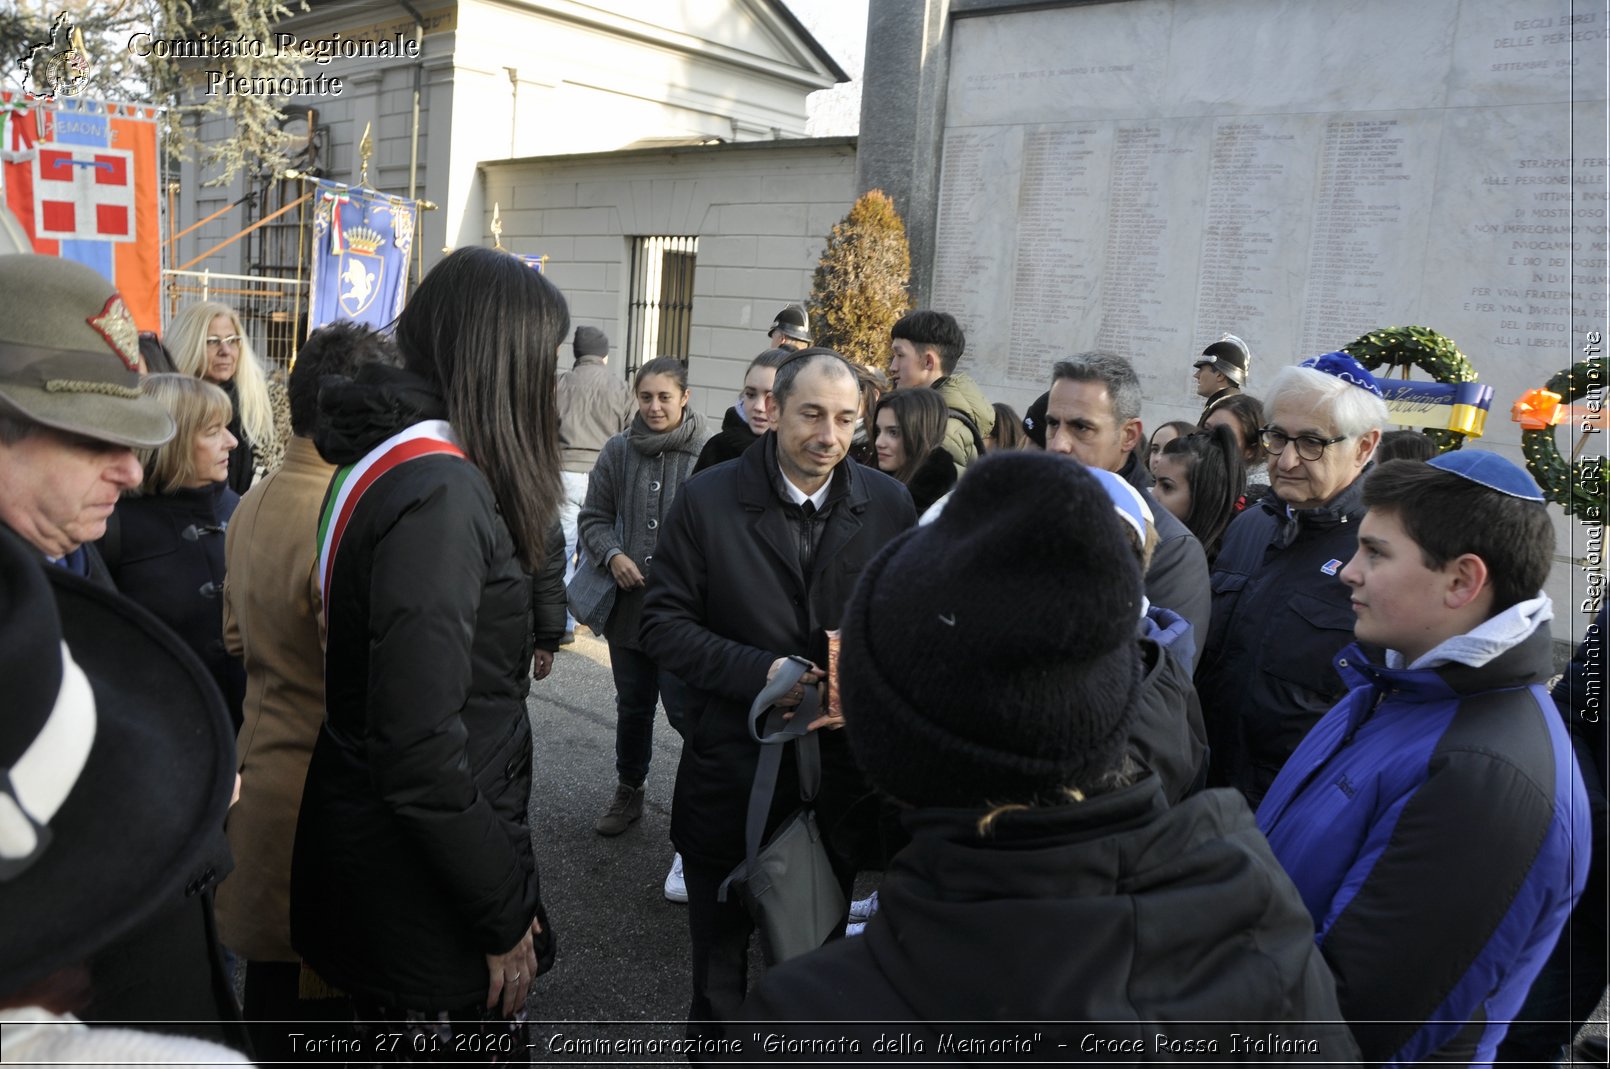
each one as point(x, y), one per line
point(414, 887)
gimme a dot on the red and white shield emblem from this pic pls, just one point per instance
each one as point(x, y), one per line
point(83, 193)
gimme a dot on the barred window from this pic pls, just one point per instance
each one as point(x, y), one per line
point(660, 316)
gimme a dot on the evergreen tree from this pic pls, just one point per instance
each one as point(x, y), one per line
point(860, 287)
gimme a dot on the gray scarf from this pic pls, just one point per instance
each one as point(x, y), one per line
point(685, 437)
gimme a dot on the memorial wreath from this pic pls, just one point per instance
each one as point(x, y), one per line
point(1421, 347)
point(1578, 487)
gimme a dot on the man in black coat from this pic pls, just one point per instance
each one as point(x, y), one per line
point(757, 561)
point(1093, 414)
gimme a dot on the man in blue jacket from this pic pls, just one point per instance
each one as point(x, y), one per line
point(1434, 821)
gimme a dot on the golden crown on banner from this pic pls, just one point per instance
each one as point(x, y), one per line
point(364, 239)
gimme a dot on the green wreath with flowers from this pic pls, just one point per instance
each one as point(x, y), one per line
point(1421, 347)
point(1578, 488)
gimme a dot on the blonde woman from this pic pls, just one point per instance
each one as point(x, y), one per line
point(208, 342)
point(164, 543)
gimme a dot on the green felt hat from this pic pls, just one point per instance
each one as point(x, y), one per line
point(70, 354)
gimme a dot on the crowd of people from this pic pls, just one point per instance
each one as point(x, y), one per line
point(1149, 738)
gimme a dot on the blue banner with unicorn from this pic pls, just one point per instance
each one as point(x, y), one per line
point(361, 243)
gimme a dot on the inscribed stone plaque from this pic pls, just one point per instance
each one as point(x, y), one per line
point(1144, 175)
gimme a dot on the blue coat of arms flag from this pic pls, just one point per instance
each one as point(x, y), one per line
point(361, 243)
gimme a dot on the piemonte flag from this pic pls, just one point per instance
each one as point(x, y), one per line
point(80, 176)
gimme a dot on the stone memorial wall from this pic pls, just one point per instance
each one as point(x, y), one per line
point(1144, 175)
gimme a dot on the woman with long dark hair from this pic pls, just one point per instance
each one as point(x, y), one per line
point(1243, 414)
point(910, 432)
point(413, 886)
point(1200, 479)
point(1007, 434)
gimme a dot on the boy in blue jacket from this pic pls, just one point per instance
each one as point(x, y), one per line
point(1435, 820)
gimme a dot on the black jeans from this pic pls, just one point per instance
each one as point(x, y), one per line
point(639, 684)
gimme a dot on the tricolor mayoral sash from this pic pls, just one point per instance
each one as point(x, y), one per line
point(431, 437)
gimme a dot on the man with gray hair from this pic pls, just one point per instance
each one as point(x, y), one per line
point(71, 416)
point(1093, 415)
point(1280, 612)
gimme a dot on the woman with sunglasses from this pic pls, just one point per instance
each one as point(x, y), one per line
point(206, 340)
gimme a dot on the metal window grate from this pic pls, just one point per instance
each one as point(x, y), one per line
point(660, 316)
point(273, 310)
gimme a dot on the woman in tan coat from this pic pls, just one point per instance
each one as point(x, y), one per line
point(271, 612)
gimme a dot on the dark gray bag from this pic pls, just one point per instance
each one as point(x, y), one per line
point(591, 593)
point(787, 885)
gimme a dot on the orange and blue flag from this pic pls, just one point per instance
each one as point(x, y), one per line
point(81, 178)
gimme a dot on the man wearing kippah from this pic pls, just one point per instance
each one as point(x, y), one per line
point(1435, 819)
point(1279, 615)
point(71, 416)
point(754, 565)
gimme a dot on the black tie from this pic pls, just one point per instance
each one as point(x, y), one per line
point(807, 537)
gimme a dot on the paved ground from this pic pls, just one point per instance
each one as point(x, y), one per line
point(623, 949)
point(622, 970)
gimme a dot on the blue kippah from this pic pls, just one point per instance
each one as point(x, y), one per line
point(1344, 367)
point(1491, 471)
point(1126, 499)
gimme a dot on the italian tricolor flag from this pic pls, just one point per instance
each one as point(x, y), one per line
point(425, 439)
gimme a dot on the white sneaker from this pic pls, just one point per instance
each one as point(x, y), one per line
point(862, 908)
point(676, 888)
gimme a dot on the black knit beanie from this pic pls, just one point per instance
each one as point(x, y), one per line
point(990, 656)
point(1034, 419)
point(590, 341)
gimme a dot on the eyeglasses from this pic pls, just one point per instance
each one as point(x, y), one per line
point(232, 340)
point(1309, 447)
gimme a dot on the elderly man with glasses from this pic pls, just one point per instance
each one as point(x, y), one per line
point(1280, 614)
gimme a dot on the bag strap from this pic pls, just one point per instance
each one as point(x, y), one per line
point(778, 732)
point(968, 422)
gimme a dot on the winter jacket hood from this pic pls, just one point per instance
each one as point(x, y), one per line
point(1488, 640)
point(728, 443)
point(360, 413)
